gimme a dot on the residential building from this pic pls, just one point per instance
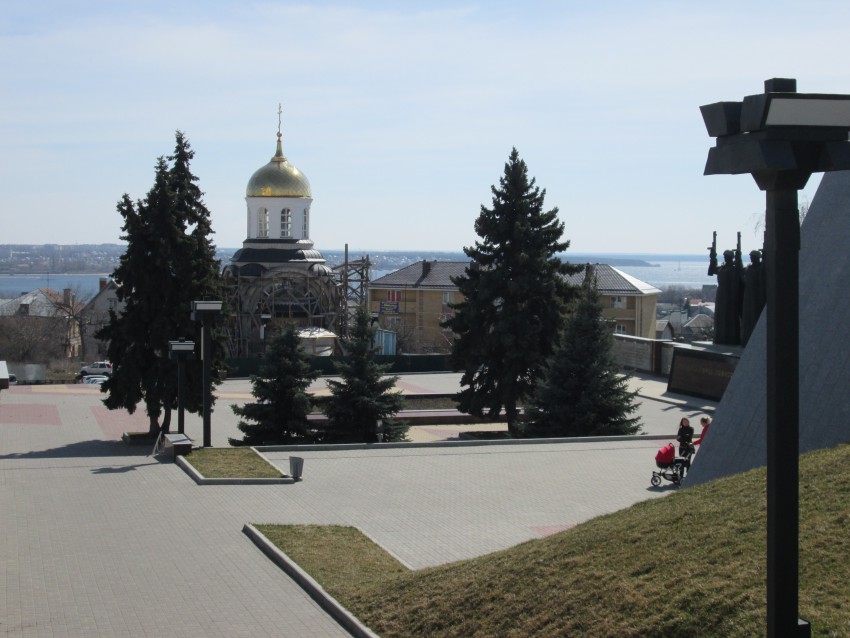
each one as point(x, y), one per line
point(47, 318)
point(627, 302)
point(96, 315)
point(414, 301)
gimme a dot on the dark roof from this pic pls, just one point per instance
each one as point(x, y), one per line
point(611, 281)
point(423, 274)
point(438, 274)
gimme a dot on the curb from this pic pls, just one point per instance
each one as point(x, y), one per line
point(201, 480)
point(327, 602)
point(325, 447)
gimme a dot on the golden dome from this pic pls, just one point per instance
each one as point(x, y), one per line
point(278, 178)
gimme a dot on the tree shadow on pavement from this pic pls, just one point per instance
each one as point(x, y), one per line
point(84, 449)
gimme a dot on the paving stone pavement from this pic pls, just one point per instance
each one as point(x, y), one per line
point(99, 539)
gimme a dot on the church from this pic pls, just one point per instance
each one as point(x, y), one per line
point(278, 277)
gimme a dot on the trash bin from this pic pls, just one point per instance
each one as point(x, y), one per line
point(296, 467)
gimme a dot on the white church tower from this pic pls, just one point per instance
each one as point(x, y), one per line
point(277, 277)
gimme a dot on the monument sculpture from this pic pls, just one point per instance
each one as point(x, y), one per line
point(755, 295)
point(729, 300)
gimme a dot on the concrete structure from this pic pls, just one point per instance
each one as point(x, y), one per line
point(737, 439)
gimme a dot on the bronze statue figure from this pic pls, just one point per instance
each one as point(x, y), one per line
point(755, 295)
point(730, 289)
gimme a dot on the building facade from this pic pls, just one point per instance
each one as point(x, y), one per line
point(414, 301)
point(627, 302)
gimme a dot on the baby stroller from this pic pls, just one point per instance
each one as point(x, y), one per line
point(671, 467)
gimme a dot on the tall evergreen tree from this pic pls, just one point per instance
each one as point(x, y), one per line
point(363, 396)
point(169, 262)
point(279, 416)
point(514, 295)
point(582, 392)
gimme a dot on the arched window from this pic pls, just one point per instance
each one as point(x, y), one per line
point(305, 230)
point(263, 223)
point(286, 223)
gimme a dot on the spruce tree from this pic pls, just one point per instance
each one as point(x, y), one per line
point(169, 262)
point(363, 396)
point(279, 415)
point(514, 293)
point(582, 392)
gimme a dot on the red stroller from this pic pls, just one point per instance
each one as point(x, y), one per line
point(671, 467)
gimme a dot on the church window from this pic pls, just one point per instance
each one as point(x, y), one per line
point(286, 223)
point(263, 223)
point(305, 230)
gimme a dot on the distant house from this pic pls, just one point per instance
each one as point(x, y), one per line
point(53, 317)
point(413, 301)
point(96, 316)
point(627, 302)
point(698, 328)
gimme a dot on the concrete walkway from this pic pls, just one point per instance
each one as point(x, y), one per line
point(98, 539)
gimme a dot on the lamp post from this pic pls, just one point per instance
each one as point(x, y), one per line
point(781, 137)
point(181, 351)
point(206, 312)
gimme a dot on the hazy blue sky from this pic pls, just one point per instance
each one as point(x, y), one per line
point(401, 114)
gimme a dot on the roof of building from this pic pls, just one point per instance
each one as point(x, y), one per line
point(42, 302)
point(423, 274)
point(612, 281)
point(438, 274)
point(278, 178)
point(699, 321)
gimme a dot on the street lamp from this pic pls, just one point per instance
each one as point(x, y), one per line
point(206, 312)
point(781, 137)
point(181, 351)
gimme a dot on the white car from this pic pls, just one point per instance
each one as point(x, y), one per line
point(98, 367)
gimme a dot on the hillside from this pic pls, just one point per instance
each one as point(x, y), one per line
point(690, 564)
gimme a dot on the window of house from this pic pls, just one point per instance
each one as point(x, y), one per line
point(618, 302)
point(393, 295)
point(263, 223)
point(620, 329)
point(447, 296)
point(286, 223)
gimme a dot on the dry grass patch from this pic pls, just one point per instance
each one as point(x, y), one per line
point(236, 463)
point(690, 564)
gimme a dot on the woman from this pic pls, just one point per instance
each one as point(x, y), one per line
point(705, 422)
point(684, 437)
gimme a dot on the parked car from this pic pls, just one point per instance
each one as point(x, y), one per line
point(98, 367)
point(13, 380)
point(95, 378)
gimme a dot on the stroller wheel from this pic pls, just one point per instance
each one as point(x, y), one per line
point(655, 480)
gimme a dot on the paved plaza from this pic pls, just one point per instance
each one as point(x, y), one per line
point(100, 539)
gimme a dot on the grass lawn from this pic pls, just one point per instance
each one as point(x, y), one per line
point(231, 463)
point(689, 564)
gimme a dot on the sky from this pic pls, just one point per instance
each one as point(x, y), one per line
point(401, 114)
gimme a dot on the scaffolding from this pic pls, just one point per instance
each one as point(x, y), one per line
point(313, 297)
